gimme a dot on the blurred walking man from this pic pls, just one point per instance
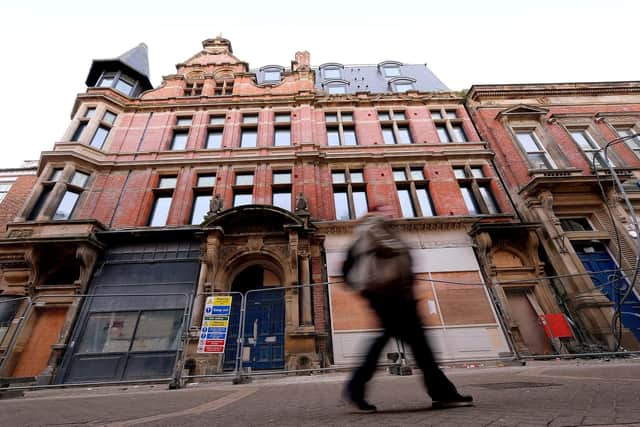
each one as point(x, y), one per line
point(378, 264)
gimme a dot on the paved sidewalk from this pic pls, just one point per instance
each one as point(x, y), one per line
point(554, 393)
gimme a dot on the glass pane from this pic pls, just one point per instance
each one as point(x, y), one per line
point(634, 143)
point(244, 179)
point(350, 137)
point(109, 117)
point(79, 179)
point(216, 120)
point(356, 176)
point(65, 208)
point(383, 116)
point(331, 118)
point(528, 142)
point(399, 116)
point(167, 182)
point(341, 204)
point(388, 136)
point(282, 137)
point(184, 121)
point(538, 161)
point(242, 199)
point(78, 132)
point(283, 118)
point(249, 138)
point(425, 202)
point(581, 138)
point(333, 137)
point(458, 133)
point(160, 211)
point(451, 114)
point(124, 87)
point(250, 119)
point(403, 87)
point(200, 208)
point(282, 177)
point(417, 174)
point(214, 139)
point(40, 203)
point(106, 81)
point(360, 203)
point(206, 181)
point(338, 177)
point(271, 76)
point(331, 73)
point(489, 201)
point(337, 90)
point(470, 201)
point(436, 115)
point(179, 141)
point(346, 117)
point(405, 203)
point(443, 134)
point(282, 200)
point(399, 175)
point(459, 173)
point(476, 172)
point(392, 71)
point(108, 332)
point(90, 112)
point(158, 330)
point(99, 137)
point(405, 134)
point(55, 175)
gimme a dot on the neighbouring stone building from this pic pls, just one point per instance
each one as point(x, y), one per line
point(227, 179)
point(547, 138)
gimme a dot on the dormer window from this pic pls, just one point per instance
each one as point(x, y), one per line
point(118, 81)
point(390, 69)
point(402, 84)
point(331, 71)
point(271, 74)
point(336, 87)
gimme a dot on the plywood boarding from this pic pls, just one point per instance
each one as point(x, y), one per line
point(463, 304)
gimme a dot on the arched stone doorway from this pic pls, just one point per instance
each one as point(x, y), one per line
point(263, 342)
point(266, 253)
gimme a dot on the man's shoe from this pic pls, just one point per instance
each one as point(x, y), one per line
point(454, 402)
point(361, 404)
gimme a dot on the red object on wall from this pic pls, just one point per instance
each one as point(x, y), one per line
point(556, 326)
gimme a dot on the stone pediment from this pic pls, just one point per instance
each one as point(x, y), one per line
point(523, 111)
point(215, 51)
point(254, 219)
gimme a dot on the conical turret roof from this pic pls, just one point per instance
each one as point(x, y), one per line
point(134, 63)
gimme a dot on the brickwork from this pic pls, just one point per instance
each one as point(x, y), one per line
point(13, 202)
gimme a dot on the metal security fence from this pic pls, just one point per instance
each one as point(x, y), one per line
point(122, 340)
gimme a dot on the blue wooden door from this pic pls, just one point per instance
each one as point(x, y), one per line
point(264, 329)
point(602, 267)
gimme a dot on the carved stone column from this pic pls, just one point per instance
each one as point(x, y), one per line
point(305, 291)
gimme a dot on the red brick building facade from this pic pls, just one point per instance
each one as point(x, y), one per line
point(226, 179)
point(549, 142)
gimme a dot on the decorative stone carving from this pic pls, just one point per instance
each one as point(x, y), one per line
point(302, 206)
point(87, 258)
point(216, 205)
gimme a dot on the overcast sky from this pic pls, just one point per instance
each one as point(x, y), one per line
point(47, 46)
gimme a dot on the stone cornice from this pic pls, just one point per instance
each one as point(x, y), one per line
point(478, 93)
point(238, 101)
point(427, 224)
